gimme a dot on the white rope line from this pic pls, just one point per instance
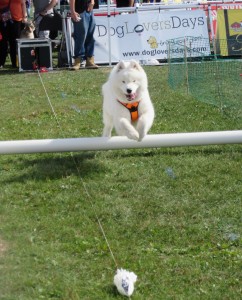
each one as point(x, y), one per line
point(98, 220)
point(79, 174)
point(48, 98)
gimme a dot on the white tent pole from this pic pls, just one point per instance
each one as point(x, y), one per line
point(101, 143)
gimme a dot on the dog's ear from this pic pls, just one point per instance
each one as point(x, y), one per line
point(120, 66)
point(135, 65)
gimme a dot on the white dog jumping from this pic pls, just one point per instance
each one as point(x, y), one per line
point(126, 102)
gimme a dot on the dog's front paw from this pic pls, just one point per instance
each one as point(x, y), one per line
point(142, 134)
point(134, 135)
point(141, 138)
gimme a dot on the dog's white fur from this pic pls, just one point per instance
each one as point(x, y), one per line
point(127, 83)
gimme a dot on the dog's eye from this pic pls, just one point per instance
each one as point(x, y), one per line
point(134, 80)
point(123, 81)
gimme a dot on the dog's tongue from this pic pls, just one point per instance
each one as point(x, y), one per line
point(131, 96)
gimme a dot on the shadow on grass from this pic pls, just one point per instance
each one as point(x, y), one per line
point(50, 168)
point(42, 167)
point(178, 151)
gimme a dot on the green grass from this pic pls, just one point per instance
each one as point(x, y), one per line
point(171, 215)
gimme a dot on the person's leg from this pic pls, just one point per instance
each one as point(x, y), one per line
point(80, 33)
point(3, 44)
point(90, 42)
point(14, 33)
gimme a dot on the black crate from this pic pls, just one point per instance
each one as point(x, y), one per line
point(34, 53)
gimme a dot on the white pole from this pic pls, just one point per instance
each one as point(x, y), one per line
point(100, 143)
point(66, 39)
point(109, 36)
point(69, 44)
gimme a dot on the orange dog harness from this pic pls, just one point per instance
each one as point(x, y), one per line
point(133, 109)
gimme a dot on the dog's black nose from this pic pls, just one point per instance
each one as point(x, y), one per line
point(129, 91)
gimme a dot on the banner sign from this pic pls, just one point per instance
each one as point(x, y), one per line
point(229, 32)
point(144, 35)
point(215, 8)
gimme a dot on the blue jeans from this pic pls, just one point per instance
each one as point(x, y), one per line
point(83, 35)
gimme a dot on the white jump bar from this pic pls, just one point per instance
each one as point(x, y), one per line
point(118, 142)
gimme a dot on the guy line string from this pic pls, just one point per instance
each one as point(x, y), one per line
point(79, 174)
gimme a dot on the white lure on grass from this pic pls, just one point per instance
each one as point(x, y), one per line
point(124, 281)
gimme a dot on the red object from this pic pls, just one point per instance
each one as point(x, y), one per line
point(104, 14)
point(1, 37)
point(235, 25)
point(43, 70)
